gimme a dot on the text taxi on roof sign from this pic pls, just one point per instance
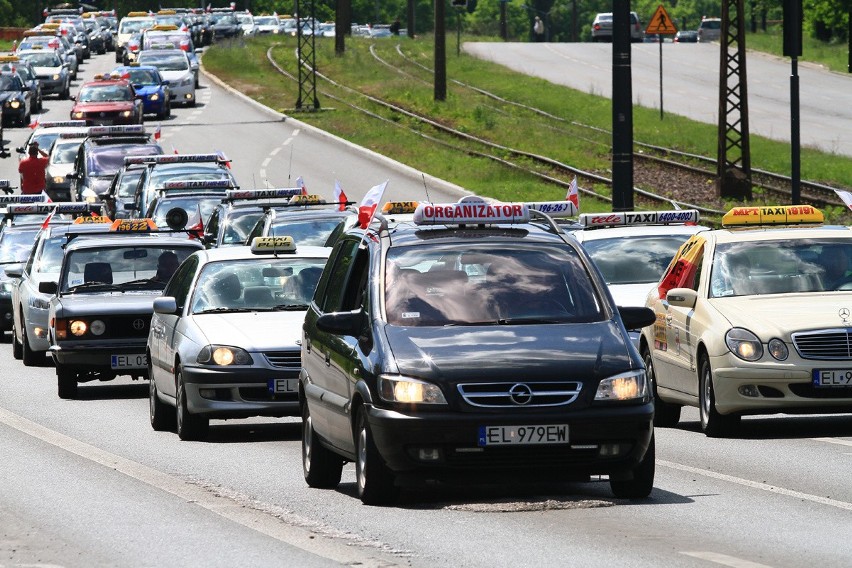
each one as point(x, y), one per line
point(494, 350)
point(751, 319)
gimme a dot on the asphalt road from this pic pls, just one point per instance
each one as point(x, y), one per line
point(88, 483)
point(691, 84)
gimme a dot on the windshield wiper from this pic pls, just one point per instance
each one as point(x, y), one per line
point(224, 311)
point(88, 285)
point(529, 321)
point(143, 281)
point(289, 307)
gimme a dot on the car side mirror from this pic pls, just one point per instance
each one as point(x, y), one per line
point(165, 305)
point(48, 287)
point(682, 297)
point(20, 150)
point(635, 317)
point(72, 175)
point(129, 207)
point(14, 270)
point(342, 323)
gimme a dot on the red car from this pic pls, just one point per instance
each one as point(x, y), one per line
point(107, 100)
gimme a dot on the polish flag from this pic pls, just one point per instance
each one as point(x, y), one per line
point(34, 123)
point(845, 196)
point(197, 230)
point(340, 196)
point(157, 133)
point(368, 205)
point(46, 196)
point(175, 150)
point(573, 195)
point(301, 183)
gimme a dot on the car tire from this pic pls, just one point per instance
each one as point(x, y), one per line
point(189, 427)
point(376, 483)
point(322, 467)
point(66, 382)
point(17, 347)
point(162, 416)
point(28, 356)
point(66, 94)
point(666, 415)
point(713, 424)
point(642, 483)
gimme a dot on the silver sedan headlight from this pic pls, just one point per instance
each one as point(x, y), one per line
point(631, 385)
point(744, 344)
point(223, 355)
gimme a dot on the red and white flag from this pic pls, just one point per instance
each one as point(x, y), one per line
point(340, 196)
point(845, 196)
point(34, 123)
point(301, 183)
point(368, 205)
point(157, 133)
point(573, 195)
point(46, 197)
point(174, 150)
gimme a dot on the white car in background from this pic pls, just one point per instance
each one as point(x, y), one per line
point(175, 67)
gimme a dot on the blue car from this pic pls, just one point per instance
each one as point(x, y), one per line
point(150, 88)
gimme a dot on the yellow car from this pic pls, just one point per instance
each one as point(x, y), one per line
point(754, 318)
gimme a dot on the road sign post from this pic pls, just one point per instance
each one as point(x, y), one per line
point(661, 24)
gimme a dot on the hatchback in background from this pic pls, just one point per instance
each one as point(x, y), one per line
point(686, 36)
point(710, 29)
point(602, 28)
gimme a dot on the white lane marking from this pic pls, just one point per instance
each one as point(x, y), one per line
point(758, 485)
point(278, 148)
point(284, 526)
point(266, 161)
point(833, 441)
point(725, 560)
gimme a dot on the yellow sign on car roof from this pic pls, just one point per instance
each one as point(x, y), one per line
point(660, 23)
point(772, 215)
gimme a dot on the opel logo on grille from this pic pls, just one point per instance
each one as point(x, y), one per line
point(520, 393)
point(138, 324)
point(844, 314)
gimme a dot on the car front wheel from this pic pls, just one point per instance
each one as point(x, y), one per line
point(321, 466)
point(189, 426)
point(66, 383)
point(30, 358)
point(713, 424)
point(643, 478)
point(666, 415)
point(375, 481)
point(162, 417)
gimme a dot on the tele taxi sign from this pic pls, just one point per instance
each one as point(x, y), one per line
point(174, 158)
point(61, 123)
point(60, 207)
point(772, 215)
point(198, 184)
point(116, 130)
point(284, 192)
point(627, 218)
point(267, 245)
point(471, 212)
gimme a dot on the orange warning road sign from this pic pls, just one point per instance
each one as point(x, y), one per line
point(660, 23)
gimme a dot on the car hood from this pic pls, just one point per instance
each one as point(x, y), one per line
point(253, 331)
point(103, 107)
point(60, 169)
point(545, 352)
point(779, 315)
point(47, 70)
point(173, 76)
point(144, 91)
point(630, 294)
point(109, 303)
point(6, 95)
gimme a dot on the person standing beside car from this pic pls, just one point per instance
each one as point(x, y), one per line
point(32, 170)
point(538, 29)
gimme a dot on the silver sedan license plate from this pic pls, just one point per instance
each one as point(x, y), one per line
point(129, 361)
point(523, 435)
point(832, 377)
point(281, 386)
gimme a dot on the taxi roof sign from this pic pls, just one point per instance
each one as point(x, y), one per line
point(90, 219)
point(271, 245)
point(116, 130)
point(248, 194)
point(632, 218)
point(145, 225)
point(311, 199)
point(38, 198)
point(772, 215)
point(61, 123)
point(399, 207)
point(55, 207)
point(660, 23)
point(199, 184)
point(175, 158)
point(471, 212)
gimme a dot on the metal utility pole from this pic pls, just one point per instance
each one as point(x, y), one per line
point(411, 12)
point(622, 109)
point(734, 155)
point(793, 49)
point(504, 29)
point(342, 25)
point(440, 52)
point(306, 54)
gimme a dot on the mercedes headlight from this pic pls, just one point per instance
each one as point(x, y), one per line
point(778, 349)
point(625, 386)
point(223, 355)
point(409, 391)
point(744, 344)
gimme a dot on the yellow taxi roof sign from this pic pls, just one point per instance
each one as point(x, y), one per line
point(133, 225)
point(772, 215)
point(270, 245)
point(399, 207)
point(92, 219)
point(660, 23)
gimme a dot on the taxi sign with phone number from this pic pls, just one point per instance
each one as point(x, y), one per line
point(133, 225)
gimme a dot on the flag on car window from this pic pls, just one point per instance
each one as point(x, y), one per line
point(845, 196)
point(340, 196)
point(301, 183)
point(34, 123)
point(157, 133)
point(368, 205)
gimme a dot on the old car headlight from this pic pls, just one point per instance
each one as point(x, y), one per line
point(407, 390)
point(778, 349)
point(223, 355)
point(154, 97)
point(57, 76)
point(78, 114)
point(78, 327)
point(744, 344)
point(97, 327)
point(14, 104)
point(58, 179)
point(625, 386)
point(127, 113)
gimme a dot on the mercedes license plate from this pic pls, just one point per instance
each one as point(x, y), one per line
point(832, 377)
point(282, 386)
point(523, 435)
point(129, 361)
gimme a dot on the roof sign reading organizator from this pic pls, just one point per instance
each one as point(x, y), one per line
point(778, 215)
point(285, 192)
point(627, 218)
point(471, 212)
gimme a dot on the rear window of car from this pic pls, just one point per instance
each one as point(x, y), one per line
point(711, 25)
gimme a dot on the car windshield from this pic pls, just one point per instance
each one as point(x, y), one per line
point(65, 152)
point(131, 26)
point(42, 59)
point(127, 184)
point(144, 77)
point(44, 137)
point(266, 21)
point(315, 232)
point(166, 63)
point(781, 267)
point(460, 284)
point(257, 284)
point(160, 177)
point(635, 259)
point(191, 205)
point(105, 93)
point(238, 226)
point(15, 246)
point(224, 20)
point(9, 83)
point(109, 159)
point(117, 267)
point(244, 18)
